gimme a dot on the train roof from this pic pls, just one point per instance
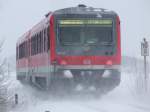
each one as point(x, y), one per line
point(82, 9)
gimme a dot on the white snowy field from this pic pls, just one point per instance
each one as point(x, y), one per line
point(122, 99)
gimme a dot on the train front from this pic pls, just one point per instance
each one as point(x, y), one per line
point(86, 47)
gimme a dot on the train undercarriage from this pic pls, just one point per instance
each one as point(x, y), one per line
point(74, 81)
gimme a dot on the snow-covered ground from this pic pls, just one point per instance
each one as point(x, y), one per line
point(121, 99)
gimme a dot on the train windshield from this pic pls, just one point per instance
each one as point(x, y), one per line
point(85, 32)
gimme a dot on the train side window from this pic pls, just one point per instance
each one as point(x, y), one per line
point(16, 53)
point(23, 49)
point(26, 52)
point(48, 37)
point(40, 43)
point(35, 50)
point(34, 44)
point(35, 47)
point(19, 51)
point(31, 46)
point(37, 43)
point(34, 39)
point(26, 49)
point(44, 39)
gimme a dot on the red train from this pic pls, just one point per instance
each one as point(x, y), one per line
point(71, 47)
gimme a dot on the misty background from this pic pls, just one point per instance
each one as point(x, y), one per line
point(18, 16)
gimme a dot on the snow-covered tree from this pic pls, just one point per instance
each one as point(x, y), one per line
point(3, 87)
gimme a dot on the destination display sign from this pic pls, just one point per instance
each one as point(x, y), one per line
point(86, 22)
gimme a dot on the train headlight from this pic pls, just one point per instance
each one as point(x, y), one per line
point(63, 62)
point(109, 62)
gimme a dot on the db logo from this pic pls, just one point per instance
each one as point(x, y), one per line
point(87, 62)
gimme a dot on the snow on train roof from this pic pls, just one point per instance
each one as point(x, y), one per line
point(82, 9)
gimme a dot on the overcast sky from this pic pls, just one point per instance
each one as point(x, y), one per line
point(18, 16)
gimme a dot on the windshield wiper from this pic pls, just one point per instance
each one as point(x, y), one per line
point(69, 44)
point(106, 43)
